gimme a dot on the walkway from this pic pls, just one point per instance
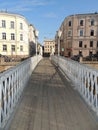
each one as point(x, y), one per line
point(50, 103)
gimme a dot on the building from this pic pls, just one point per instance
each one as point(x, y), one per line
point(79, 35)
point(32, 40)
point(49, 47)
point(14, 35)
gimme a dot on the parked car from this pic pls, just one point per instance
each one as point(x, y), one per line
point(96, 55)
point(92, 57)
point(76, 57)
point(6, 58)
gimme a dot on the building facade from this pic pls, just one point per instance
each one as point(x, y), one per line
point(49, 47)
point(14, 35)
point(32, 40)
point(79, 35)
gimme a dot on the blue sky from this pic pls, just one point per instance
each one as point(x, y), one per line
point(47, 15)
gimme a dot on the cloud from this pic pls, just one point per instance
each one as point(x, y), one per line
point(50, 15)
point(20, 9)
point(23, 5)
point(36, 3)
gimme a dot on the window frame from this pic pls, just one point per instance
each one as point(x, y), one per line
point(97, 44)
point(3, 36)
point(21, 37)
point(91, 43)
point(13, 48)
point(92, 22)
point(21, 26)
point(4, 48)
point(69, 33)
point(81, 32)
point(70, 23)
point(21, 48)
point(92, 32)
point(80, 43)
point(12, 24)
point(12, 36)
point(81, 23)
point(3, 24)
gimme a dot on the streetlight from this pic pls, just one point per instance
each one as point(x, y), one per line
point(59, 33)
point(36, 37)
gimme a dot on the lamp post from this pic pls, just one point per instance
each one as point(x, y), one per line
point(59, 33)
point(36, 37)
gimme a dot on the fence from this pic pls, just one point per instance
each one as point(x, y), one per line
point(84, 77)
point(12, 83)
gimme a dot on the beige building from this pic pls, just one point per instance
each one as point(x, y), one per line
point(79, 35)
point(32, 39)
point(13, 35)
point(49, 46)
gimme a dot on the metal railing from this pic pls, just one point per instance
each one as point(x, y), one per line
point(84, 77)
point(12, 83)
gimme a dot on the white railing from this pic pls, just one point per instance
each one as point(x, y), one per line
point(12, 83)
point(84, 77)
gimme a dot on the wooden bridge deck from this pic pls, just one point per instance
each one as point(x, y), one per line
point(50, 103)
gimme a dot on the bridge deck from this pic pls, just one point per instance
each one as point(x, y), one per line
point(50, 103)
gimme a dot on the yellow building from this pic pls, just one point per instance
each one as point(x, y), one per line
point(49, 46)
point(32, 40)
point(14, 35)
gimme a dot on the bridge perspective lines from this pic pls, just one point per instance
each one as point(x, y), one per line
point(49, 102)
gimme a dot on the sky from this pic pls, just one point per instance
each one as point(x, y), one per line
point(48, 15)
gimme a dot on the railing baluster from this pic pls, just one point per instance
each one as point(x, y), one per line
point(12, 83)
point(85, 78)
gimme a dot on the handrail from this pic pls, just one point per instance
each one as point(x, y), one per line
point(12, 83)
point(85, 79)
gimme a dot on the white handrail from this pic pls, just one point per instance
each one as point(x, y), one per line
point(12, 83)
point(84, 77)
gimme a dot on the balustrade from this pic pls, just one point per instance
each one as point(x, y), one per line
point(84, 78)
point(12, 83)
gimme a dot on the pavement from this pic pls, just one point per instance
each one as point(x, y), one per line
point(50, 102)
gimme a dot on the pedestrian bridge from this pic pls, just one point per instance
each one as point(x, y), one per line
point(49, 97)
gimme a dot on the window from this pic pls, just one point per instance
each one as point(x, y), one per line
point(91, 43)
point(81, 22)
point(12, 48)
point(92, 22)
point(4, 47)
point(21, 26)
point(4, 36)
point(70, 23)
point(3, 24)
point(80, 43)
point(80, 52)
point(92, 33)
point(21, 37)
point(81, 32)
point(21, 48)
point(12, 36)
point(69, 33)
point(12, 24)
point(90, 53)
point(85, 46)
point(97, 52)
point(97, 43)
